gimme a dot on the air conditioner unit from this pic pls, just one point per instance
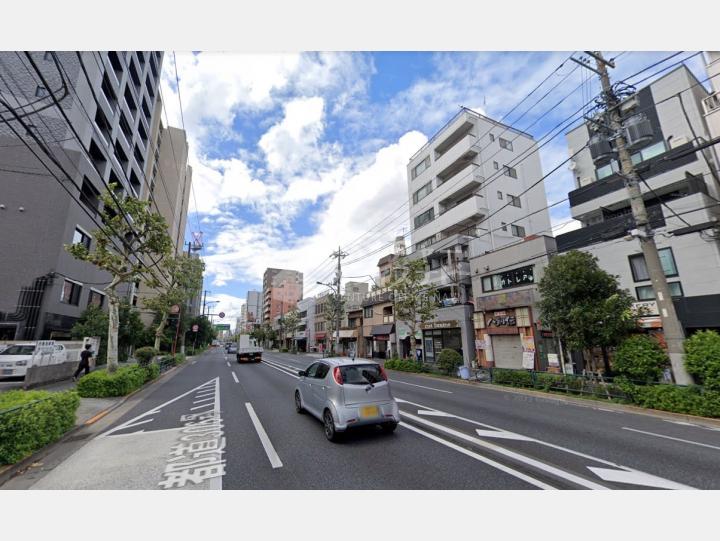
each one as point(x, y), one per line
point(584, 181)
point(678, 141)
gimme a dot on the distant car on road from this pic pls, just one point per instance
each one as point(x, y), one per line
point(344, 394)
point(232, 349)
point(15, 359)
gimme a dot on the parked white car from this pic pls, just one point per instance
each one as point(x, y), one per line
point(14, 360)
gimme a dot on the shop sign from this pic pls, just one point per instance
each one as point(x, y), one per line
point(501, 319)
point(482, 344)
point(528, 343)
point(528, 360)
point(439, 325)
point(646, 308)
point(553, 359)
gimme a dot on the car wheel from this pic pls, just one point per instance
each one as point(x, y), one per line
point(329, 423)
point(389, 427)
point(298, 403)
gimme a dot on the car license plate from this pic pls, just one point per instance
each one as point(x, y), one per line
point(368, 411)
point(7, 371)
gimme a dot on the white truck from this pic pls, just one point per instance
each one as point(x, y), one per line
point(248, 351)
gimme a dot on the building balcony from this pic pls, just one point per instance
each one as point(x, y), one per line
point(456, 158)
point(455, 219)
point(445, 275)
point(711, 104)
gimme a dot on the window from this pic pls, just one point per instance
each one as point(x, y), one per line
point(153, 67)
point(95, 299)
point(115, 62)
point(424, 218)
point(361, 374)
point(514, 201)
point(419, 168)
point(492, 137)
point(102, 124)
point(422, 193)
point(70, 293)
point(322, 371)
point(125, 127)
point(121, 156)
point(639, 268)
point(143, 133)
point(108, 91)
point(368, 312)
point(146, 110)
point(517, 230)
point(47, 55)
point(504, 143)
point(646, 293)
point(503, 226)
point(310, 372)
point(130, 100)
point(80, 237)
point(512, 278)
point(138, 155)
point(499, 194)
point(90, 196)
point(134, 75)
point(97, 156)
point(607, 170)
point(496, 166)
point(509, 171)
point(135, 182)
point(149, 85)
point(425, 243)
point(134, 300)
point(41, 92)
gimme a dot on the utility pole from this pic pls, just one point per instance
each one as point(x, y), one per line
point(672, 329)
point(338, 275)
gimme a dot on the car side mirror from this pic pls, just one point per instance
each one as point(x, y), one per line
point(301, 373)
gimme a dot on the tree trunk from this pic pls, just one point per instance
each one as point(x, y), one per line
point(113, 326)
point(606, 361)
point(160, 329)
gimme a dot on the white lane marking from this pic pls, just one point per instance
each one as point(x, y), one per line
point(280, 370)
point(672, 438)
point(691, 424)
point(435, 413)
point(295, 369)
point(149, 432)
point(422, 386)
point(157, 409)
point(235, 377)
point(227, 363)
point(193, 362)
point(502, 434)
point(138, 423)
point(611, 411)
point(203, 400)
point(511, 454)
point(203, 395)
point(216, 482)
point(267, 445)
point(541, 442)
point(489, 462)
point(636, 478)
point(201, 406)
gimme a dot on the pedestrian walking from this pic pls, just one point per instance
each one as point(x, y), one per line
point(85, 357)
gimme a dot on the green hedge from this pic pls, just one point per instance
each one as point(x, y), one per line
point(31, 420)
point(516, 378)
point(691, 400)
point(404, 365)
point(100, 384)
point(145, 355)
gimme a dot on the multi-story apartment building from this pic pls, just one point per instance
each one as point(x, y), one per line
point(475, 186)
point(98, 135)
point(711, 103)
point(350, 326)
point(304, 334)
point(681, 192)
point(508, 331)
point(378, 325)
point(321, 326)
point(282, 289)
point(253, 301)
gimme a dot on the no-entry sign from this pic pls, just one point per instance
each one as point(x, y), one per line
point(221, 315)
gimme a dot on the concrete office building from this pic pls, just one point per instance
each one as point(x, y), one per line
point(681, 197)
point(304, 334)
point(471, 191)
point(109, 99)
point(253, 301)
point(282, 289)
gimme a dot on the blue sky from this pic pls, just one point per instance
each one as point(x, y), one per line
point(295, 154)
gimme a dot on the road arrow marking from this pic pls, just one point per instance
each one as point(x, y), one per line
point(636, 478)
point(502, 434)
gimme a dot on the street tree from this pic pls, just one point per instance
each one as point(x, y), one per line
point(584, 305)
point(183, 278)
point(415, 302)
point(334, 308)
point(129, 245)
point(290, 323)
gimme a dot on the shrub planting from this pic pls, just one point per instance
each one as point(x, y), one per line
point(146, 354)
point(702, 358)
point(449, 360)
point(640, 358)
point(101, 384)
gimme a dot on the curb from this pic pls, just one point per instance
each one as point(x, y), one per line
point(703, 421)
point(11, 470)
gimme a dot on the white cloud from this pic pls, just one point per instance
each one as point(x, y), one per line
point(230, 305)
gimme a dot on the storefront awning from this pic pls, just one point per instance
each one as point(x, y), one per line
point(319, 336)
point(386, 328)
point(348, 333)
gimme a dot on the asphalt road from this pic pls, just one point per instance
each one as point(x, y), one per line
point(217, 424)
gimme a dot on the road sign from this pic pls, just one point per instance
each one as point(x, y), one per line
point(195, 328)
point(221, 315)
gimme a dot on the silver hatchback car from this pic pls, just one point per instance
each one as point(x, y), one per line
point(344, 393)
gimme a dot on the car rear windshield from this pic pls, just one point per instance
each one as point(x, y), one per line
point(361, 374)
point(18, 350)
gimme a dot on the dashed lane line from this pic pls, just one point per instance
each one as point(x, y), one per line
point(266, 363)
point(234, 376)
point(672, 438)
point(416, 385)
point(264, 439)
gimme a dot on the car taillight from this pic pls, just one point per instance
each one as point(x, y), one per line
point(337, 375)
point(383, 374)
